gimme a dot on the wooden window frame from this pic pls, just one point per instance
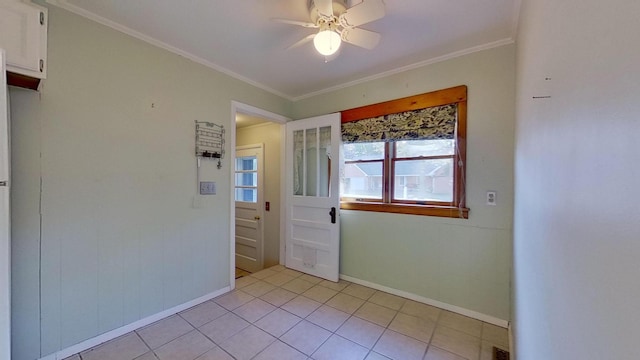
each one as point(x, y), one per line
point(456, 209)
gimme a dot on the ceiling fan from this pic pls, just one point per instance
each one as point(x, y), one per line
point(338, 23)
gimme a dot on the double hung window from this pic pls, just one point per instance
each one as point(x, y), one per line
point(406, 155)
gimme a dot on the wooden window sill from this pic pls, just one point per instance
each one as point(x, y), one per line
point(439, 211)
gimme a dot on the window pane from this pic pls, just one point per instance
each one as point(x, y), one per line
point(364, 151)
point(248, 195)
point(414, 148)
point(362, 180)
point(246, 163)
point(247, 179)
point(298, 168)
point(325, 161)
point(424, 180)
point(312, 162)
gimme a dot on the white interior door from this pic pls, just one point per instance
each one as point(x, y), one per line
point(313, 202)
point(249, 185)
point(5, 233)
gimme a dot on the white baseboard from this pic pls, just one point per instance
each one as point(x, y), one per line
point(456, 309)
point(89, 343)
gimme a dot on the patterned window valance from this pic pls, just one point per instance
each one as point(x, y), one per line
point(438, 122)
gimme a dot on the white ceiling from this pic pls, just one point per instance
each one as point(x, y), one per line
point(239, 38)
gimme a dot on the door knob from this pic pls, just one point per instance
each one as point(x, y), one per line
point(256, 217)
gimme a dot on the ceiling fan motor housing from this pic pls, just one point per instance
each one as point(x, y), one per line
point(339, 6)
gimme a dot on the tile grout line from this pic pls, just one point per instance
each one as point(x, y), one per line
point(215, 343)
point(383, 331)
point(433, 333)
point(145, 344)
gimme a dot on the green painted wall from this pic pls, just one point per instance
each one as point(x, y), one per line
point(466, 263)
point(111, 136)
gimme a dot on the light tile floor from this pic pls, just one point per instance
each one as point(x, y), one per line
point(282, 314)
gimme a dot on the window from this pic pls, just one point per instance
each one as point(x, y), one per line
point(406, 155)
point(246, 179)
point(420, 171)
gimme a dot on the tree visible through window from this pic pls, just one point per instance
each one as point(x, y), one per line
point(407, 155)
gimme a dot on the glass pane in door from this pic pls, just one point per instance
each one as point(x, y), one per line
point(247, 163)
point(324, 159)
point(311, 160)
point(246, 179)
point(298, 162)
point(247, 194)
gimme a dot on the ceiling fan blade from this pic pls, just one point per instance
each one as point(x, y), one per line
point(325, 7)
point(360, 37)
point(296, 22)
point(304, 40)
point(366, 11)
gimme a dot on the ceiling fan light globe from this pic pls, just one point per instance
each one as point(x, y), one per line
point(327, 42)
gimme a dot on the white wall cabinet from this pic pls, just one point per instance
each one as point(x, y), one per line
point(23, 35)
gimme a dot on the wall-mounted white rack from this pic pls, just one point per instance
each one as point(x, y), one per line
point(209, 141)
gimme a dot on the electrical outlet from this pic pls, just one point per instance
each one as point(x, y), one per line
point(491, 198)
point(207, 188)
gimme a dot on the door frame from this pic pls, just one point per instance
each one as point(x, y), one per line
point(260, 200)
point(5, 234)
point(241, 108)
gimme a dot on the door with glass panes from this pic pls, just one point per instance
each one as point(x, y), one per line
point(312, 229)
point(248, 195)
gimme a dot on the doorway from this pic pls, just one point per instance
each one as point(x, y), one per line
point(249, 195)
point(256, 127)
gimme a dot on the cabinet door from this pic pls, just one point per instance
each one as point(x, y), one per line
point(23, 36)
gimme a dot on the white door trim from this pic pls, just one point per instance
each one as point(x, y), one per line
point(5, 219)
point(238, 107)
point(260, 199)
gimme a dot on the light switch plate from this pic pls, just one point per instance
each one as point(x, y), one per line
point(491, 198)
point(207, 188)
